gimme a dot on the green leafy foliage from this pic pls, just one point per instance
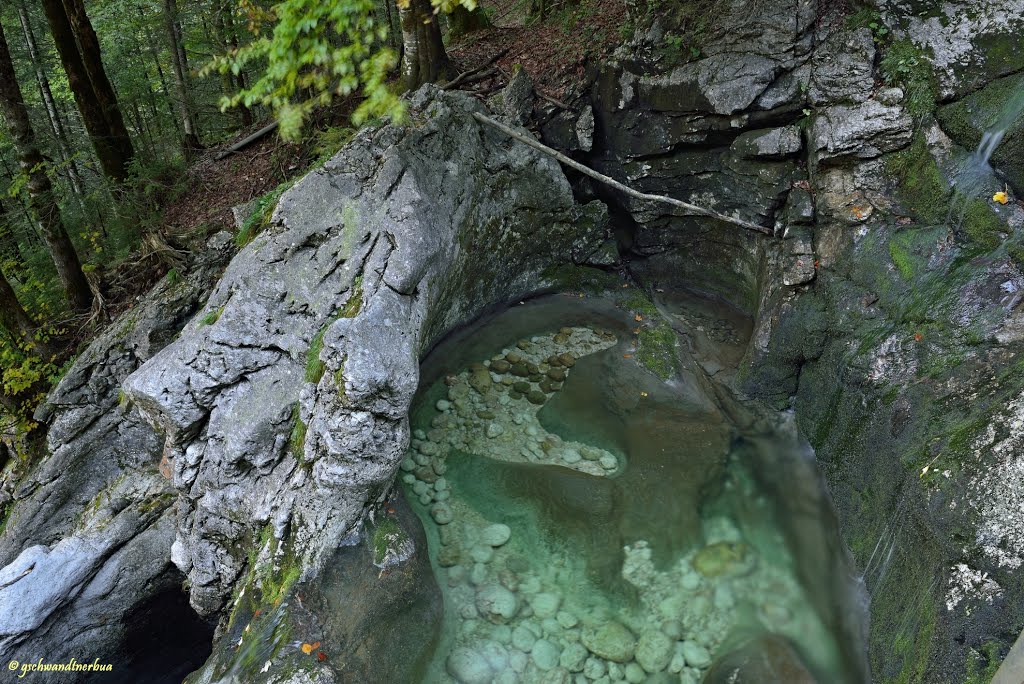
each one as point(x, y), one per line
point(316, 50)
point(26, 373)
point(869, 18)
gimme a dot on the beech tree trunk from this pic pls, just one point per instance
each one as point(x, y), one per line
point(424, 59)
point(41, 199)
point(190, 139)
point(111, 150)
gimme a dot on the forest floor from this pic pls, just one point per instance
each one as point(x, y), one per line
point(555, 52)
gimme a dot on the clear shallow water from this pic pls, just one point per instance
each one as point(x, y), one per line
point(609, 527)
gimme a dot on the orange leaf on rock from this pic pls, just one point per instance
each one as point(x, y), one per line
point(316, 645)
point(321, 656)
point(638, 317)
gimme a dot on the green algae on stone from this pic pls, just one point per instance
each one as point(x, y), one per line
point(656, 350)
point(901, 259)
point(387, 537)
point(721, 558)
point(919, 182)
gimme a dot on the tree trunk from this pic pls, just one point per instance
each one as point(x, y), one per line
point(462, 21)
point(150, 95)
point(92, 58)
point(113, 158)
point(226, 25)
point(13, 317)
point(56, 124)
point(390, 14)
point(41, 198)
point(190, 140)
point(10, 249)
point(424, 60)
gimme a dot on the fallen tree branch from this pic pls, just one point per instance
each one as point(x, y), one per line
point(557, 103)
point(607, 180)
point(475, 78)
point(248, 140)
point(465, 76)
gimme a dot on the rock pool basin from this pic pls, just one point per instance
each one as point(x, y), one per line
point(588, 522)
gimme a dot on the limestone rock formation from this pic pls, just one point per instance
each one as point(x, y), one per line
point(90, 530)
point(284, 403)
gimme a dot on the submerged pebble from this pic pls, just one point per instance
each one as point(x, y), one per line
point(696, 655)
point(545, 655)
point(442, 513)
point(611, 641)
point(496, 535)
point(653, 651)
point(496, 603)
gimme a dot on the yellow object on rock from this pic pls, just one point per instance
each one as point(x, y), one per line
point(1001, 197)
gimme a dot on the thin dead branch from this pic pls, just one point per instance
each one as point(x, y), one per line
point(693, 209)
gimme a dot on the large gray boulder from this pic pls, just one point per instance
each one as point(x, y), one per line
point(284, 404)
point(90, 527)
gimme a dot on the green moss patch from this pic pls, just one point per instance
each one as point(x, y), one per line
point(581, 279)
point(919, 183)
point(212, 316)
point(981, 226)
point(387, 536)
point(259, 217)
point(901, 259)
point(656, 350)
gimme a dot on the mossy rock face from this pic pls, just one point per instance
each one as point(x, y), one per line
point(925, 193)
point(371, 624)
point(904, 312)
point(967, 120)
